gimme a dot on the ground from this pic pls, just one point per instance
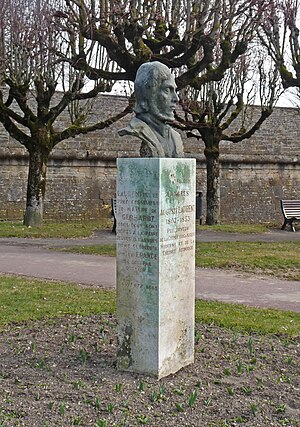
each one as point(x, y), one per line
point(62, 373)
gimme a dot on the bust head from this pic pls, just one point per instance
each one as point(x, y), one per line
point(155, 91)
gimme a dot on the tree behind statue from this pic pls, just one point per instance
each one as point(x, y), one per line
point(200, 43)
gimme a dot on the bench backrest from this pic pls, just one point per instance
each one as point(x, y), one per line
point(290, 208)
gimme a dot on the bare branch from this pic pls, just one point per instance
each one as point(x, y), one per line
point(79, 129)
point(280, 35)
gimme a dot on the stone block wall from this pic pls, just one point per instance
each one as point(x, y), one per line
point(255, 173)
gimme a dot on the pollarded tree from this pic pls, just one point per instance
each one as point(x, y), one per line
point(182, 34)
point(203, 41)
point(30, 74)
point(279, 32)
point(223, 111)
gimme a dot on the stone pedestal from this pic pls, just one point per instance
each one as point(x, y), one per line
point(155, 264)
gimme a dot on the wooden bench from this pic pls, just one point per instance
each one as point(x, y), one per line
point(114, 214)
point(291, 212)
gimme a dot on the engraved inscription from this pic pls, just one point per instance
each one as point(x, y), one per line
point(138, 229)
point(154, 224)
point(180, 235)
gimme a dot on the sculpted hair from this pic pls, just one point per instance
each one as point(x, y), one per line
point(148, 78)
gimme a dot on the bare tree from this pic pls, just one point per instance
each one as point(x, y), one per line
point(205, 43)
point(223, 111)
point(30, 74)
point(182, 34)
point(279, 32)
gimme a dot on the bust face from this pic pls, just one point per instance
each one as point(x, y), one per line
point(163, 100)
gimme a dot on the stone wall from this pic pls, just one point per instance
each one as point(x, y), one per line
point(255, 173)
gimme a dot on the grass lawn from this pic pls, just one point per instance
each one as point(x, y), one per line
point(75, 229)
point(280, 259)
point(24, 299)
point(71, 229)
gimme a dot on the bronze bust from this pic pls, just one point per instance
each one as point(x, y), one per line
point(156, 98)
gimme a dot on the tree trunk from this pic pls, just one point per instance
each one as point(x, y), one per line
point(38, 160)
point(212, 155)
